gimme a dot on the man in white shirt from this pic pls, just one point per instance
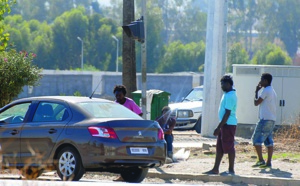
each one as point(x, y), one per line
point(267, 116)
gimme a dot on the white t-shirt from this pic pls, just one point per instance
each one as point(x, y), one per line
point(267, 108)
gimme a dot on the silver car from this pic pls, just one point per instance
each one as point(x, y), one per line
point(188, 112)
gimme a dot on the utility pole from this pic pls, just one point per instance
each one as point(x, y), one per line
point(81, 52)
point(117, 53)
point(128, 52)
point(215, 60)
point(144, 63)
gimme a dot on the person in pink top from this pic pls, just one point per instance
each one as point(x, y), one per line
point(120, 93)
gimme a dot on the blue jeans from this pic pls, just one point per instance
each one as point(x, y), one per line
point(263, 133)
point(169, 140)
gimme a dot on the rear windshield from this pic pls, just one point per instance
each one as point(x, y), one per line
point(108, 110)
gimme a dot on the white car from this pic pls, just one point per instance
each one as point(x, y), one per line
point(188, 112)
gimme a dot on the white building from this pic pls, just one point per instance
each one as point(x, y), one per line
point(286, 82)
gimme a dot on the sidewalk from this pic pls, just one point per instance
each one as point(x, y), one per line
point(226, 179)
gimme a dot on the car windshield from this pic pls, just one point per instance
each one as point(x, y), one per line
point(195, 95)
point(108, 110)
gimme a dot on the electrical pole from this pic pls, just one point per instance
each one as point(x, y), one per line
point(128, 52)
point(144, 63)
point(215, 60)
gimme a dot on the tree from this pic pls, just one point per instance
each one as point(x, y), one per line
point(271, 55)
point(280, 19)
point(179, 57)
point(66, 46)
point(278, 57)
point(16, 71)
point(100, 44)
point(241, 20)
point(4, 8)
point(129, 63)
point(184, 20)
point(236, 55)
point(155, 46)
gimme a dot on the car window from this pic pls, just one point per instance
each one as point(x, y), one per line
point(195, 95)
point(108, 110)
point(50, 112)
point(15, 114)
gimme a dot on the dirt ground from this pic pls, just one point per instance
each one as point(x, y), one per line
point(284, 165)
point(285, 162)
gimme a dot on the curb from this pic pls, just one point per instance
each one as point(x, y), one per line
point(224, 179)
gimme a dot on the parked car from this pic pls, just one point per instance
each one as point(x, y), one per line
point(73, 135)
point(188, 112)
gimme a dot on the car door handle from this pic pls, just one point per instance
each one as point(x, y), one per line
point(14, 132)
point(51, 131)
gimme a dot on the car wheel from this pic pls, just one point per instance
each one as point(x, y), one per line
point(31, 173)
point(134, 175)
point(197, 126)
point(69, 166)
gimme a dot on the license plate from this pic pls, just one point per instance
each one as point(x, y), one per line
point(138, 150)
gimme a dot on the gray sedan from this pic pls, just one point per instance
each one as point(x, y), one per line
point(76, 134)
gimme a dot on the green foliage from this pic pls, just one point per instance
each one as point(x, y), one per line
point(155, 46)
point(65, 33)
point(180, 57)
point(87, 67)
point(51, 28)
point(183, 20)
point(16, 71)
point(242, 16)
point(271, 55)
point(279, 18)
point(77, 93)
point(236, 55)
point(278, 57)
point(4, 8)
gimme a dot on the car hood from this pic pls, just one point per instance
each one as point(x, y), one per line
point(192, 105)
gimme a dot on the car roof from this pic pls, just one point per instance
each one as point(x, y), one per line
point(73, 99)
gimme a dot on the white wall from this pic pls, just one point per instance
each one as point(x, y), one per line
point(286, 83)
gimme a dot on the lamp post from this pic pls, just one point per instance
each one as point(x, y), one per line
point(115, 38)
point(81, 52)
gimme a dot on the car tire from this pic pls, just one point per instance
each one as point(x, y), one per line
point(31, 173)
point(134, 175)
point(69, 165)
point(197, 126)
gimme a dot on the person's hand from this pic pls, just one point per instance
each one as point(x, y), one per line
point(217, 131)
point(258, 87)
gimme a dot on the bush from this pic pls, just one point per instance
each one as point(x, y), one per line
point(16, 71)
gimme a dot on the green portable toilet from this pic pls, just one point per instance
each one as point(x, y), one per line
point(158, 99)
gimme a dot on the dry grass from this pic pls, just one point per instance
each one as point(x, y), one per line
point(288, 136)
point(290, 132)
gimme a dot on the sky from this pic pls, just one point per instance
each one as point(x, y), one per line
point(104, 2)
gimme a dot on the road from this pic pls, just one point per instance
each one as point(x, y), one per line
point(44, 181)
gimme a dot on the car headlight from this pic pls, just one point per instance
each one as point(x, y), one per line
point(185, 113)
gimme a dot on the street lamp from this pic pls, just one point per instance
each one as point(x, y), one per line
point(115, 38)
point(81, 52)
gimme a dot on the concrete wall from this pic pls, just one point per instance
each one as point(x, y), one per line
point(68, 82)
